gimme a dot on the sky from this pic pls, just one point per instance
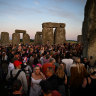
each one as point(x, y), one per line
point(30, 14)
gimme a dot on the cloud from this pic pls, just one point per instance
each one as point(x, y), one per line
point(63, 13)
point(17, 9)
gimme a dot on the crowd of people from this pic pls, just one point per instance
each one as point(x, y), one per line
point(46, 70)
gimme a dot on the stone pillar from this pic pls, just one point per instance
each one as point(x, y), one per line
point(38, 38)
point(79, 39)
point(59, 35)
point(15, 39)
point(47, 36)
point(26, 39)
point(89, 30)
point(5, 38)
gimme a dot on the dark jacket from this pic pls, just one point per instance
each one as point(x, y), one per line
point(53, 81)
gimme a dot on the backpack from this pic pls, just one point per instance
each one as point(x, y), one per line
point(11, 81)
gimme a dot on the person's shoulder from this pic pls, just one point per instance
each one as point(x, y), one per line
point(64, 60)
point(22, 73)
point(11, 65)
point(73, 65)
point(71, 59)
point(45, 64)
point(82, 65)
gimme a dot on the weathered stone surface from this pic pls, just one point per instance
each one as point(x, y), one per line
point(62, 25)
point(20, 31)
point(79, 39)
point(4, 38)
point(26, 39)
point(39, 33)
point(15, 39)
point(59, 36)
point(38, 38)
point(50, 25)
point(89, 30)
point(47, 36)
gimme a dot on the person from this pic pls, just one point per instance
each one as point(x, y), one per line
point(4, 62)
point(46, 59)
point(64, 67)
point(62, 80)
point(21, 77)
point(17, 88)
point(37, 76)
point(68, 62)
point(10, 66)
point(49, 64)
point(31, 61)
point(86, 63)
point(52, 78)
point(89, 82)
point(45, 88)
point(16, 56)
point(4, 56)
point(27, 69)
point(78, 73)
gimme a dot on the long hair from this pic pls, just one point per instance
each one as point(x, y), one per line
point(79, 65)
point(60, 72)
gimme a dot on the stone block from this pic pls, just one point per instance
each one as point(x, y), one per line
point(26, 39)
point(47, 36)
point(38, 38)
point(15, 39)
point(79, 39)
point(50, 25)
point(20, 31)
point(89, 30)
point(62, 25)
point(60, 36)
point(4, 38)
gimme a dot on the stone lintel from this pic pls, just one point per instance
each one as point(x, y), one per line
point(62, 25)
point(50, 25)
point(20, 31)
point(39, 33)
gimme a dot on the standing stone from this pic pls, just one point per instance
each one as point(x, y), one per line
point(15, 39)
point(59, 36)
point(4, 38)
point(89, 30)
point(47, 36)
point(38, 38)
point(26, 39)
point(79, 39)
